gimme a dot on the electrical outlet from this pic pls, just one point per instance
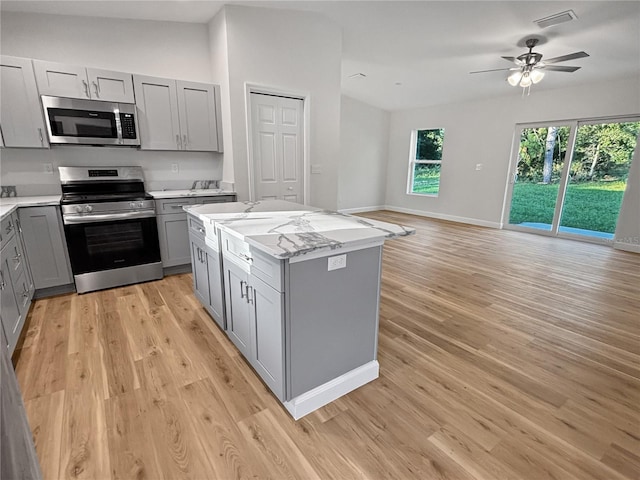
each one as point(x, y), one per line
point(339, 261)
point(174, 168)
point(47, 168)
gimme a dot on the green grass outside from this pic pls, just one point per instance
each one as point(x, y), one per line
point(588, 205)
point(426, 179)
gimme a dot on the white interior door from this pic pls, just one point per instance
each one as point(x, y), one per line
point(277, 144)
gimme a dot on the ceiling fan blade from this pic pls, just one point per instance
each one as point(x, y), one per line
point(564, 58)
point(511, 59)
point(496, 70)
point(559, 68)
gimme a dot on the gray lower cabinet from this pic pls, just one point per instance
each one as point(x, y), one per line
point(15, 282)
point(205, 267)
point(18, 459)
point(46, 246)
point(172, 227)
point(255, 323)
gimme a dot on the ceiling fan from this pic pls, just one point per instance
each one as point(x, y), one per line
point(530, 68)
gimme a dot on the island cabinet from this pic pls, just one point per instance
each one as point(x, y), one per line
point(255, 323)
point(206, 270)
point(299, 324)
point(301, 293)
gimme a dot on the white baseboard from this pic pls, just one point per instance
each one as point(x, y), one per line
point(361, 209)
point(320, 396)
point(628, 247)
point(442, 216)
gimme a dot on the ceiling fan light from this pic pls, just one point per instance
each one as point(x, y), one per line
point(526, 80)
point(536, 76)
point(514, 78)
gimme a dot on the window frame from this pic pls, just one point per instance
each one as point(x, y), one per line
point(413, 161)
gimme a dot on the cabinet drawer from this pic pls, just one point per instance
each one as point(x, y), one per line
point(217, 199)
point(173, 205)
point(196, 227)
point(263, 266)
point(7, 230)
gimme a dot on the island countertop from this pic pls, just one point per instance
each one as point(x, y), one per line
point(284, 229)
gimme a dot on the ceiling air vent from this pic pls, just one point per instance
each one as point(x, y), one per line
point(556, 19)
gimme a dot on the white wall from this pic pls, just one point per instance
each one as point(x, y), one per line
point(296, 52)
point(482, 132)
point(364, 144)
point(218, 47)
point(628, 228)
point(166, 49)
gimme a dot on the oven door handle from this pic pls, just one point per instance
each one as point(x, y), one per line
point(107, 217)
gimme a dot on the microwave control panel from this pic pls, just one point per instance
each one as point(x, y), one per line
point(128, 125)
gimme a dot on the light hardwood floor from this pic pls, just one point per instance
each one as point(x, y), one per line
point(502, 356)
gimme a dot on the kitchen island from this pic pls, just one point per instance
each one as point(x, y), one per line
point(297, 291)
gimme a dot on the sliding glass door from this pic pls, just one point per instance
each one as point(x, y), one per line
point(537, 178)
point(569, 179)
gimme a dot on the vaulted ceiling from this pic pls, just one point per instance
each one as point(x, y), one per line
point(420, 53)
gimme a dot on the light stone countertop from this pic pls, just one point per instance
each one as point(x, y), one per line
point(211, 192)
point(9, 204)
point(284, 229)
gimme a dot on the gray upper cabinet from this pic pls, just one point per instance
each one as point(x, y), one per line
point(177, 115)
point(157, 103)
point(198, 119)
point(46, 246)
point(20, 113)
point(74, 81)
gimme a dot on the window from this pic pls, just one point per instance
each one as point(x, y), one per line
point(425, 161)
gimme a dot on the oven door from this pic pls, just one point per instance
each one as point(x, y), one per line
point(109, 244)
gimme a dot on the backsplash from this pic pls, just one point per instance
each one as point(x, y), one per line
point(26, 168)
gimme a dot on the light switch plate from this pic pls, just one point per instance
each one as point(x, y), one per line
point(336, 262)
point(316, 168)
point(47, 168)
point(174, 168)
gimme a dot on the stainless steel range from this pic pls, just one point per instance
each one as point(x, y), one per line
point(110, 226)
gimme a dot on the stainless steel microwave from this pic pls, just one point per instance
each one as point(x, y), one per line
point(72, 121)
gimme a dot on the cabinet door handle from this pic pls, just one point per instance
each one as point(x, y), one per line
point(198, 253)
point(41, 137)
point(179, 206)
point(178, 142)
point(243, 292)
point(2, 282)
point(201, 230)
point(86, 88)
point(95, 86)
point(9, 227)
point(185, 143)
point(18, 254)
point(246, 257)
point(250, 297)
point(18, 225)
